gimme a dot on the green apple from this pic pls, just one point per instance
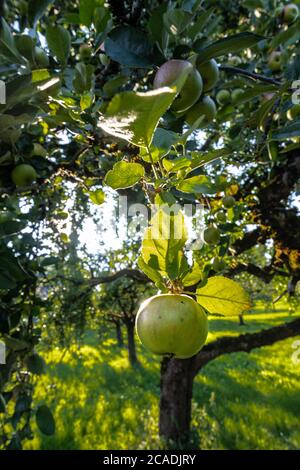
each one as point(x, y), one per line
point(290, 13)
point(228, 201)
point(192, 88)
point(218, 264)
point(172, 324)
point(205, 107)
point(209, 72)
point(104, 59)
point(211, 235)
point(40, 57)
point(221, 217)
point(236, 95)
point(293, 112)
point(85, 52)
point(275, 61)
point(23, 175)
point(223, 97)
point(38, 150)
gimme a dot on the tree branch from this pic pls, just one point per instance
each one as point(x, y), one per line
point(252, 75)
point(266, 274)
point(245, 343)
point(131, 273)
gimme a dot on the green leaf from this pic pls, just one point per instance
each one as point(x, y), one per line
point(36, 9)
point(193, 276)
point(202, 20)
point(290, 35)
point(177, 20)
point(112, 86)
point(59, 42)
point(6, 281)
point(263, 113)
point(45, 420)
point(36, 364)
point(102, 20)
point(287, 132)
point(201, 159)
point(134, 116)
point(156, 26)
point(86, 101)
point(86, 11)
point(228, 45)
point(197, 184)
point(161, 145)
point(7, 44)
point(153, 274)
point(176, 164)
point(163, 242)
point(83, 78)
point(40, 75)
point(224, 296)
point(129, 46)
point(124, 175)
point(10, 227)
point(256, 90)
point(97, 197)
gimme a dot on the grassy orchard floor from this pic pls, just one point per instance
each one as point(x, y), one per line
point(241, 401)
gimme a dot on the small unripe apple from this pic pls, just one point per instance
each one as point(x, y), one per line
point(228, 201)
point(221, 217)
point(275, 61)
point(223, 97)
point(205, 107)
point(209, 72)
point(40, 57)
point(290, 13)
point(211, 235)
point(23, 175)
point(236, 95)
point(218, 264)
point(85, 52)
point(293, 112)
point(192, 88)
point(172, 324)
point(38, 150)
point(104, 59)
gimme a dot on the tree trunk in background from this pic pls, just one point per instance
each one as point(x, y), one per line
point(119, 335)
point(131, 344)
point(241, 320)
point(176, 389)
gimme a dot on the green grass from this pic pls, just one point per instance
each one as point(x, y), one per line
point(241, 401)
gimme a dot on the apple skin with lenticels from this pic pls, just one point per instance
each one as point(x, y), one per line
point(172, 324)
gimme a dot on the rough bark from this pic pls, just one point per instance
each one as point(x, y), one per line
point(175, 401)
point(177, 377)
